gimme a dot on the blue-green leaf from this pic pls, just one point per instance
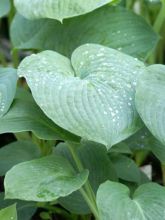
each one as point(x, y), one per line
point(147, 203)
point(57, 9)
point(105, 26)
point(44, 179)
point(8, 81)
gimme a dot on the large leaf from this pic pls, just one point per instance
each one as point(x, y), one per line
point(8, 213)
point(4, 7)
point(15, 153)
point(104, 26)
point(25, 115)
point(25, 210)
point(57, 9)
point(89, 153)
point(8, 81)
point(147, 203)
point(93, 99)
point(151, 106)
point(44, 179)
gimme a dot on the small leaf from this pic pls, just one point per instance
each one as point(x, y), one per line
point(15, 153)
point(25, 115)
point(101, 85)
point(126, 168)
point(104, 26)
point(56, 9)
point(8, 81)
point(25, 210)
point(8, 213)
point(147, 203)
point(4, 7)
point(151, 105)
point(44, 179)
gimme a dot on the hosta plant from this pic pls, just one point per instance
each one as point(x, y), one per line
point(82, 110)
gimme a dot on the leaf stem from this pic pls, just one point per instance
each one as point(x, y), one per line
point(160, 18)
point(163, 173)
point(87, 192)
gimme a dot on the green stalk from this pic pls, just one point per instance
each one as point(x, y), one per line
point(3, 60)
point(158, 24)
point(160, 18)
point(163, 173)
point(87, 192)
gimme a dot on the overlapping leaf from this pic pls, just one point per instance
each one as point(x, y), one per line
point(44, 179)
point(25, 115)
point(8, 81)
point(104, 26)
point(89, 153)
point(25, 210)
point(147, 203)
point(93, 99)
point(9, 213)
point(57, 9)
point(151, 106)
point(15, 153)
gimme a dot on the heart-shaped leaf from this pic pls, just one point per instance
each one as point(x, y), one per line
point(44, 179)
point(9, 213)
point(147, 203)
point(151, 106)
point(57, 9)
point(8, 81)
point(105, 26)
point(92, 96)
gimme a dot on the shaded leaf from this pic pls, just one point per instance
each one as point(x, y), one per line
point(25, 210)
point(126, 168)
point(8, 81)
point(104, 26)
point(25, 115)
point(15, 153)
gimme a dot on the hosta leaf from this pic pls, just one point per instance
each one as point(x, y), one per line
point(104, 26)
point(8, 81)
point(25, 115)
point(143, 140)
point(126, 168)
point(151, 106)
point(15, 153)
point(57, 9)
point(147, 203)
point(89, 153)
point(4, 7)
point(44, 179)
point(8, 213)
point(93, 99)
point(25, 210)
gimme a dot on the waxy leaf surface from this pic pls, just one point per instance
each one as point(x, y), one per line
point(91, 96)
